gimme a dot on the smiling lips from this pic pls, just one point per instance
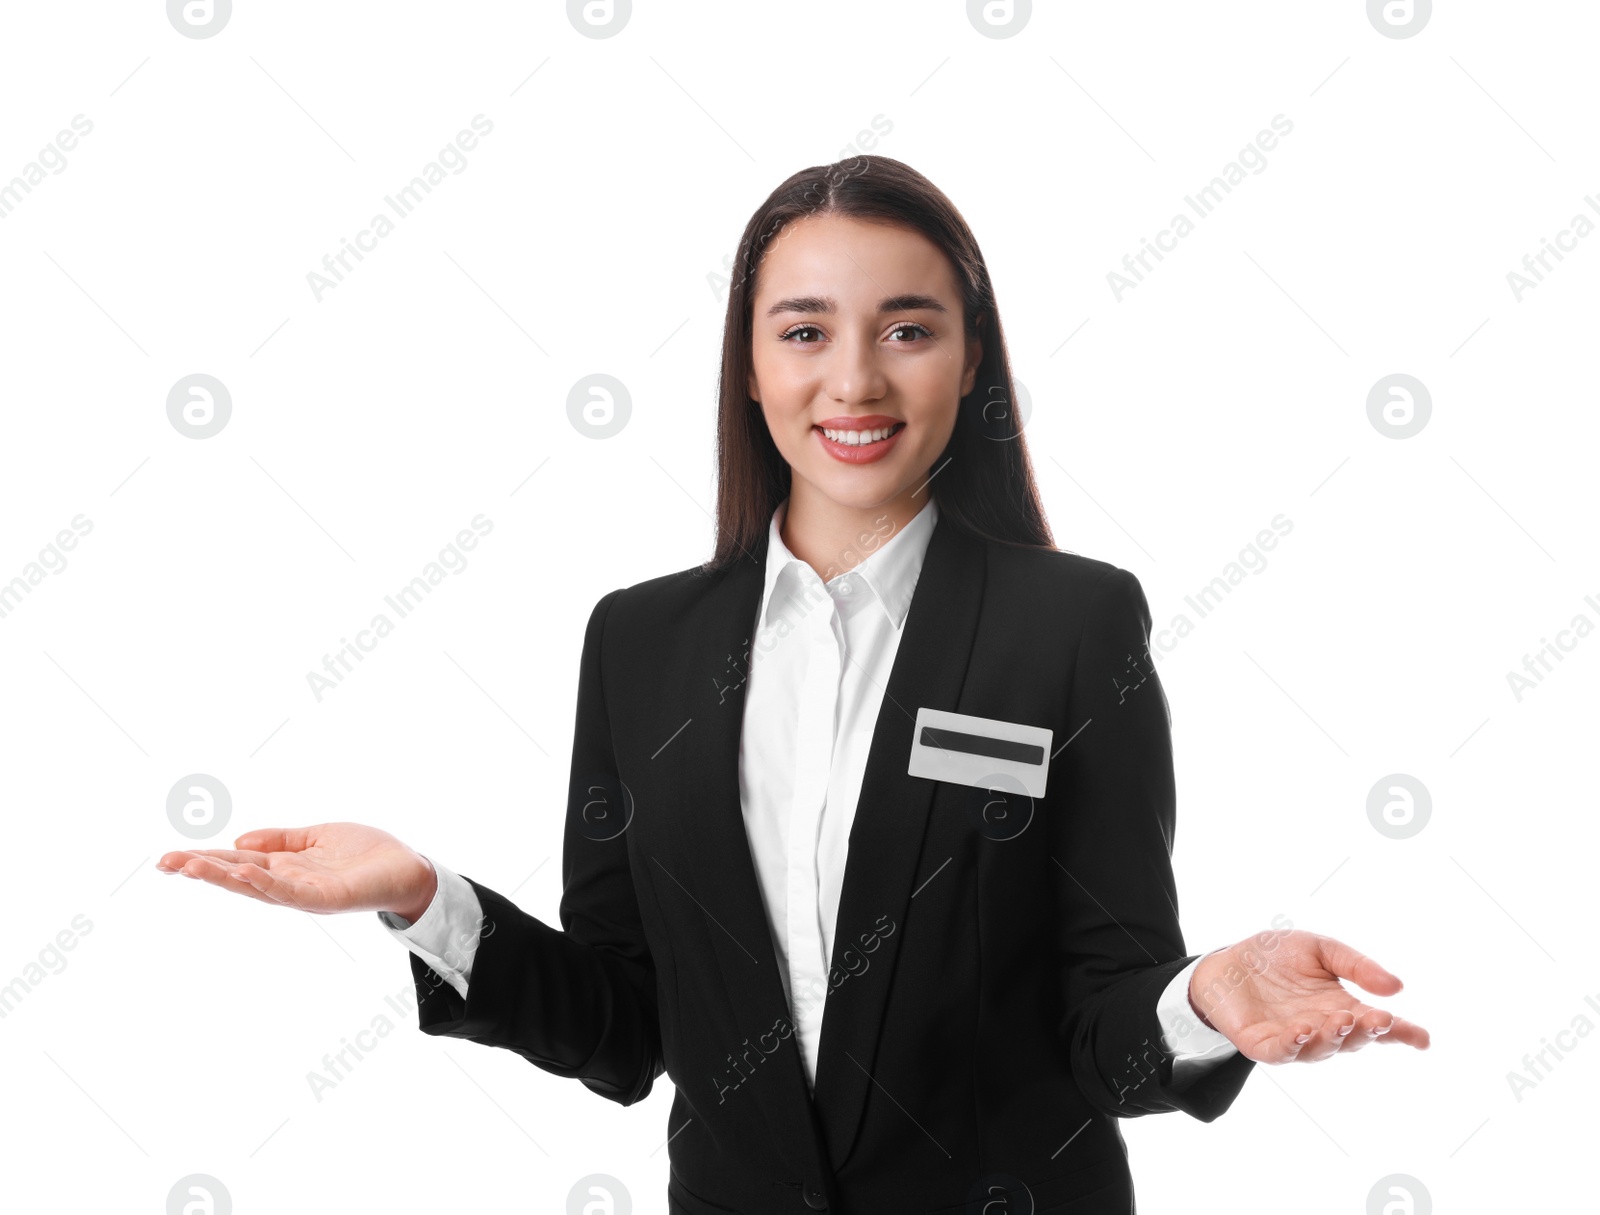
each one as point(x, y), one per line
point(858, 440)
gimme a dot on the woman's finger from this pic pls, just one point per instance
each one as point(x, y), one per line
point(173, 860)
point(1370, 1025)
point(208, 869)
point(267, 887)
point(1347, 963)
point(256, 882)
point(277, 839)
point(1407, 1033)
point(302, 894)
point(1286, 1045)
point(1328, 1038)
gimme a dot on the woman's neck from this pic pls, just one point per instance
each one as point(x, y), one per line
point(832, 537)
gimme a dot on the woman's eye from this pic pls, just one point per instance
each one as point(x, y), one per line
point(912, 326)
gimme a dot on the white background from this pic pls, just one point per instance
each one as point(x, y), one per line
point(583, 236)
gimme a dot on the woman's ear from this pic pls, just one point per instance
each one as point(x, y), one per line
point(974, 359)
point(750, 387)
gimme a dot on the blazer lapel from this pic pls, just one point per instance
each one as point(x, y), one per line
point(719, 870)
point(885, 837)
point(891, 817)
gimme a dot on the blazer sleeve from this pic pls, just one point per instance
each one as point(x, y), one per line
point(579, 1001)
point(1119, 943)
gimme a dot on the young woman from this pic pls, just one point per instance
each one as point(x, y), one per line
point(869, 828)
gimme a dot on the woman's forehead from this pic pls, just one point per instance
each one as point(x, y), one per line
point(854, 263)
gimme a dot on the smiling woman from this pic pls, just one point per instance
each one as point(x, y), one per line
point(868, 833)
point(845, 314)
point(861, 283)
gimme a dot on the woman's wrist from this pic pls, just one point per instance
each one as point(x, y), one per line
point(412, 909)
point(1198, 1011)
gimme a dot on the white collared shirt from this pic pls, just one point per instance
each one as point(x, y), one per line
point(820, 657)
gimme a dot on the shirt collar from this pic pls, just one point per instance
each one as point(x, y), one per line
point(889, 572)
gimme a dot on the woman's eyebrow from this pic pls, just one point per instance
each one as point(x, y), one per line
point(823, 303)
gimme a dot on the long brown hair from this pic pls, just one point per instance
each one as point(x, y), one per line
point(984, 479)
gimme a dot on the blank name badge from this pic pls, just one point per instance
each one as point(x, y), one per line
point(972, 751)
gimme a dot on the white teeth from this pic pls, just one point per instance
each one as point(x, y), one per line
point(855, 438)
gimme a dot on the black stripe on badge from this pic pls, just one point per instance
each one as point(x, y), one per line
point(981, 744)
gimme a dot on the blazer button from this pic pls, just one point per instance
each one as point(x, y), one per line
point(816, 1199)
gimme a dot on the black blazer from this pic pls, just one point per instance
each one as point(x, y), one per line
point(991, 1011)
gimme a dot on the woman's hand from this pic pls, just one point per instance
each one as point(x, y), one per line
point(1277, 997)
point(324, 869)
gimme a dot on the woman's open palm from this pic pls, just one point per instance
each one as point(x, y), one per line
point(1290, 1006)
point(328, 868)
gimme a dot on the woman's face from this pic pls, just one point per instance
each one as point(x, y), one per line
point(857, 331)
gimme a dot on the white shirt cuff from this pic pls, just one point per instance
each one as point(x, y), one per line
point(445, 936)
point(1195, 1046)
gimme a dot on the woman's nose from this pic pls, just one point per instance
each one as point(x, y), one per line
point(855, 371)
